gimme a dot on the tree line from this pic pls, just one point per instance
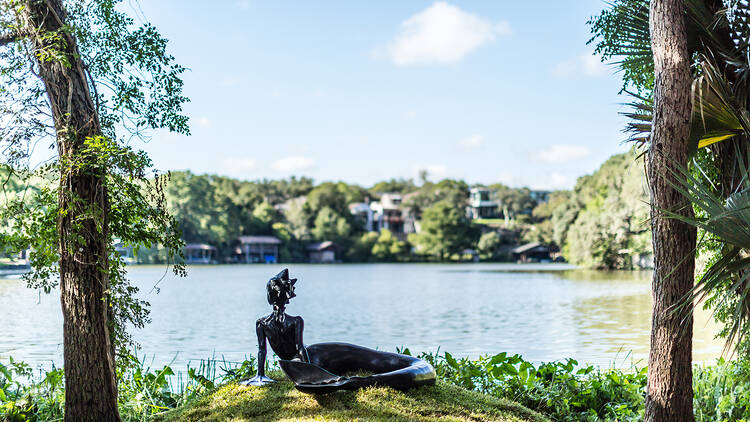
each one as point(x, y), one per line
point(600, 223)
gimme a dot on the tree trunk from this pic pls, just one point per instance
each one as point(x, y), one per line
point(670, 392)
point(90, 382)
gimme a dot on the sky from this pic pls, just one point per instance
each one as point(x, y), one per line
point(362, 91)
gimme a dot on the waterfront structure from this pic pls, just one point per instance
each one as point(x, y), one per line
point(481, 204)
point(200, 253)
point(532, 252)
point(264, 249)
point(322, 252)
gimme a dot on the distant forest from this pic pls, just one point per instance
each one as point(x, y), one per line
point(601, 223)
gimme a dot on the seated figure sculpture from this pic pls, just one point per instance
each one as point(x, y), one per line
point(323, 367)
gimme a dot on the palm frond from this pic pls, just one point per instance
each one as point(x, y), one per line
point(727, 220)
point(717, 114)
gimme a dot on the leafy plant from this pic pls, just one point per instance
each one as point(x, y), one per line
point(564, 390)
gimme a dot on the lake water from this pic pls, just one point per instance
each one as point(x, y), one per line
point(544, 312)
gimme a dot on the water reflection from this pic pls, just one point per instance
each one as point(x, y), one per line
point(545, 312)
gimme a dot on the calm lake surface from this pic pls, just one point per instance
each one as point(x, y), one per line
point(544, 312)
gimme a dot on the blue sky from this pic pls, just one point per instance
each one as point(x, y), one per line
point(486, 91)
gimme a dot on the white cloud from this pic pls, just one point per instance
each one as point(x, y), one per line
point(441, 34)
point(563, 153)
point(204, 122)
point(243, 4)
point(239, 167)
point(294, 163)
point(471, 143)
point(592, 65)
point(554, 181)
point(586, 64)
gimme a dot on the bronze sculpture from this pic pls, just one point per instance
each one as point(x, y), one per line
point(323, 367)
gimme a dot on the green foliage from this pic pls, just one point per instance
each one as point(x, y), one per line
point(387, 247)
point(722, 392)
point(562, 390)
point(361, 249)
point(605, 222)
point(136, 86)
point(488, 244)
point(455, 192)
point(621, 32)
point(402, 186)
point(24, 397)
point(330, 226)
point(445, 231)
point(514, 201)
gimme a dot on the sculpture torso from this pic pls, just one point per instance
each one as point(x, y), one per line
point(284, 335)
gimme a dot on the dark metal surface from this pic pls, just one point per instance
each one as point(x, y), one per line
point(322, 367)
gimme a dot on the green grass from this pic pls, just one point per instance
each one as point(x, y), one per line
point(489, 221)
point(282, 402)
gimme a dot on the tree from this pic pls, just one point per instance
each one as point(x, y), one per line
point(361, 249)
point(670, 372)
point(488, 244)
point(514, 201)
point(73, 65)
point(445, 230)
point(453, 191)
point(265, 214)
point(610, 211)
point(402, 186)
point(330, 226)
point(387, 247)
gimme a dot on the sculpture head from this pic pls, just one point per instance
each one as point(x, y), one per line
point(280, 289)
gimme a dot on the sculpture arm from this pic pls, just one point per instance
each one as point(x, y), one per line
point(260, 378)
point(261, 349)
point(301, 350)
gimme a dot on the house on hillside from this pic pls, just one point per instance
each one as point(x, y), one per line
point(322, 252)
point(200, 253)
point(481, 204)
point(531, 252)
point(263, 249)
point(364, 214)
point(387, 213)
point(539, 196)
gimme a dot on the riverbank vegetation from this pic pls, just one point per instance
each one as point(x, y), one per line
point(600, 223)
point(497, 387)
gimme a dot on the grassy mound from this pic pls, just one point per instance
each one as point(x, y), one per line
point(281, 402)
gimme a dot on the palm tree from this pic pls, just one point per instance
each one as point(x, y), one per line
point(716, 37)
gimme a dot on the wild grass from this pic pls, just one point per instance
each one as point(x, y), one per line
point(281, 402)
point(500, 387)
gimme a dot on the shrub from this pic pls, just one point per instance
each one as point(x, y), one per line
point(562, 390)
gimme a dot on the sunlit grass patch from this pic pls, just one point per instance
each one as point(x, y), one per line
point(281, 402)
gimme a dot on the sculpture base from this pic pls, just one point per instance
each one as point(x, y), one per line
point(257, 381)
